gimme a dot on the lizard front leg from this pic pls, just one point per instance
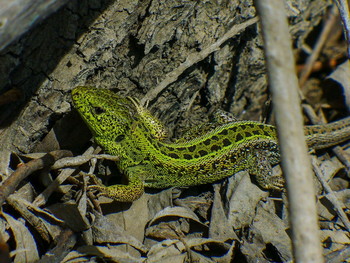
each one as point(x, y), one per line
point(261, 167)
point(262, 170)
point(124, 193)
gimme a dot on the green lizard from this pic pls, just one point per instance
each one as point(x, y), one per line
point(124, 128)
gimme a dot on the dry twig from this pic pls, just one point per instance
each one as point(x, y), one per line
point(65, 174)
point(295, 160)
point(305, 73)
point(11, 182)
point(330, 194)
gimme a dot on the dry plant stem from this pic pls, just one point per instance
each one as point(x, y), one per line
point(343, 156)
point(195, 58)
point(94, 201)
point(79, 160)
point(305, 73)
point(41, 198)
point(23, 207)
point(295, 159)
point(310, 113)
point(330, 194)
point(10, 184)
point(343, 7)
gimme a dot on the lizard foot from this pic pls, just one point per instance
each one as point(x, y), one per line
point(119, 192)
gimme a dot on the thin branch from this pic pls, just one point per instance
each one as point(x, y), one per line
point(79, 160)
point(305, 73)
point(295, 159)
point(330, 194)
point(23, 171)
point(65, 174)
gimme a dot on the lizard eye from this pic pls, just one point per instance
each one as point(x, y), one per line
point(99, 110)
point(119, 138)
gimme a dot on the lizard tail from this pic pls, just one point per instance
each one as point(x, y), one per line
point(323, 136)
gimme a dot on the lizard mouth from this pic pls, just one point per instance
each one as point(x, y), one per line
point(76, 95)
point(78, 92)
point(80, 97)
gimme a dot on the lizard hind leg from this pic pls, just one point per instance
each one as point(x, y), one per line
point(262, 170)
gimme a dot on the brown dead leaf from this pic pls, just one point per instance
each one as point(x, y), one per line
point(26, 249)
point(107, 231)
point(188, 249)
point(111, 253)
point(242, 199)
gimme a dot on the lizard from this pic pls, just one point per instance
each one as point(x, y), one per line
point(122, 127)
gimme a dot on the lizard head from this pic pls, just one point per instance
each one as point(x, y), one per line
point(108, 116)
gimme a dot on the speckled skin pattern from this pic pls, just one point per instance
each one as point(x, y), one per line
point(124, 128)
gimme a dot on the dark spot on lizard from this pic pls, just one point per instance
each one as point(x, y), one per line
point(256, 132)
point(119, 138)
point(223, 132)
point(179, 174)
point(233, 129)
point(226, 142)
point(248, 134)
point(146, 129)
point(266, 133)
point(203, 153)
point(215, 138)
point(99, 110)
point(181, 148)
point(215, 148)
point(192, 148)
point(239, 137)
point(207, 142)
point(173, 155)
point(187, 156)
